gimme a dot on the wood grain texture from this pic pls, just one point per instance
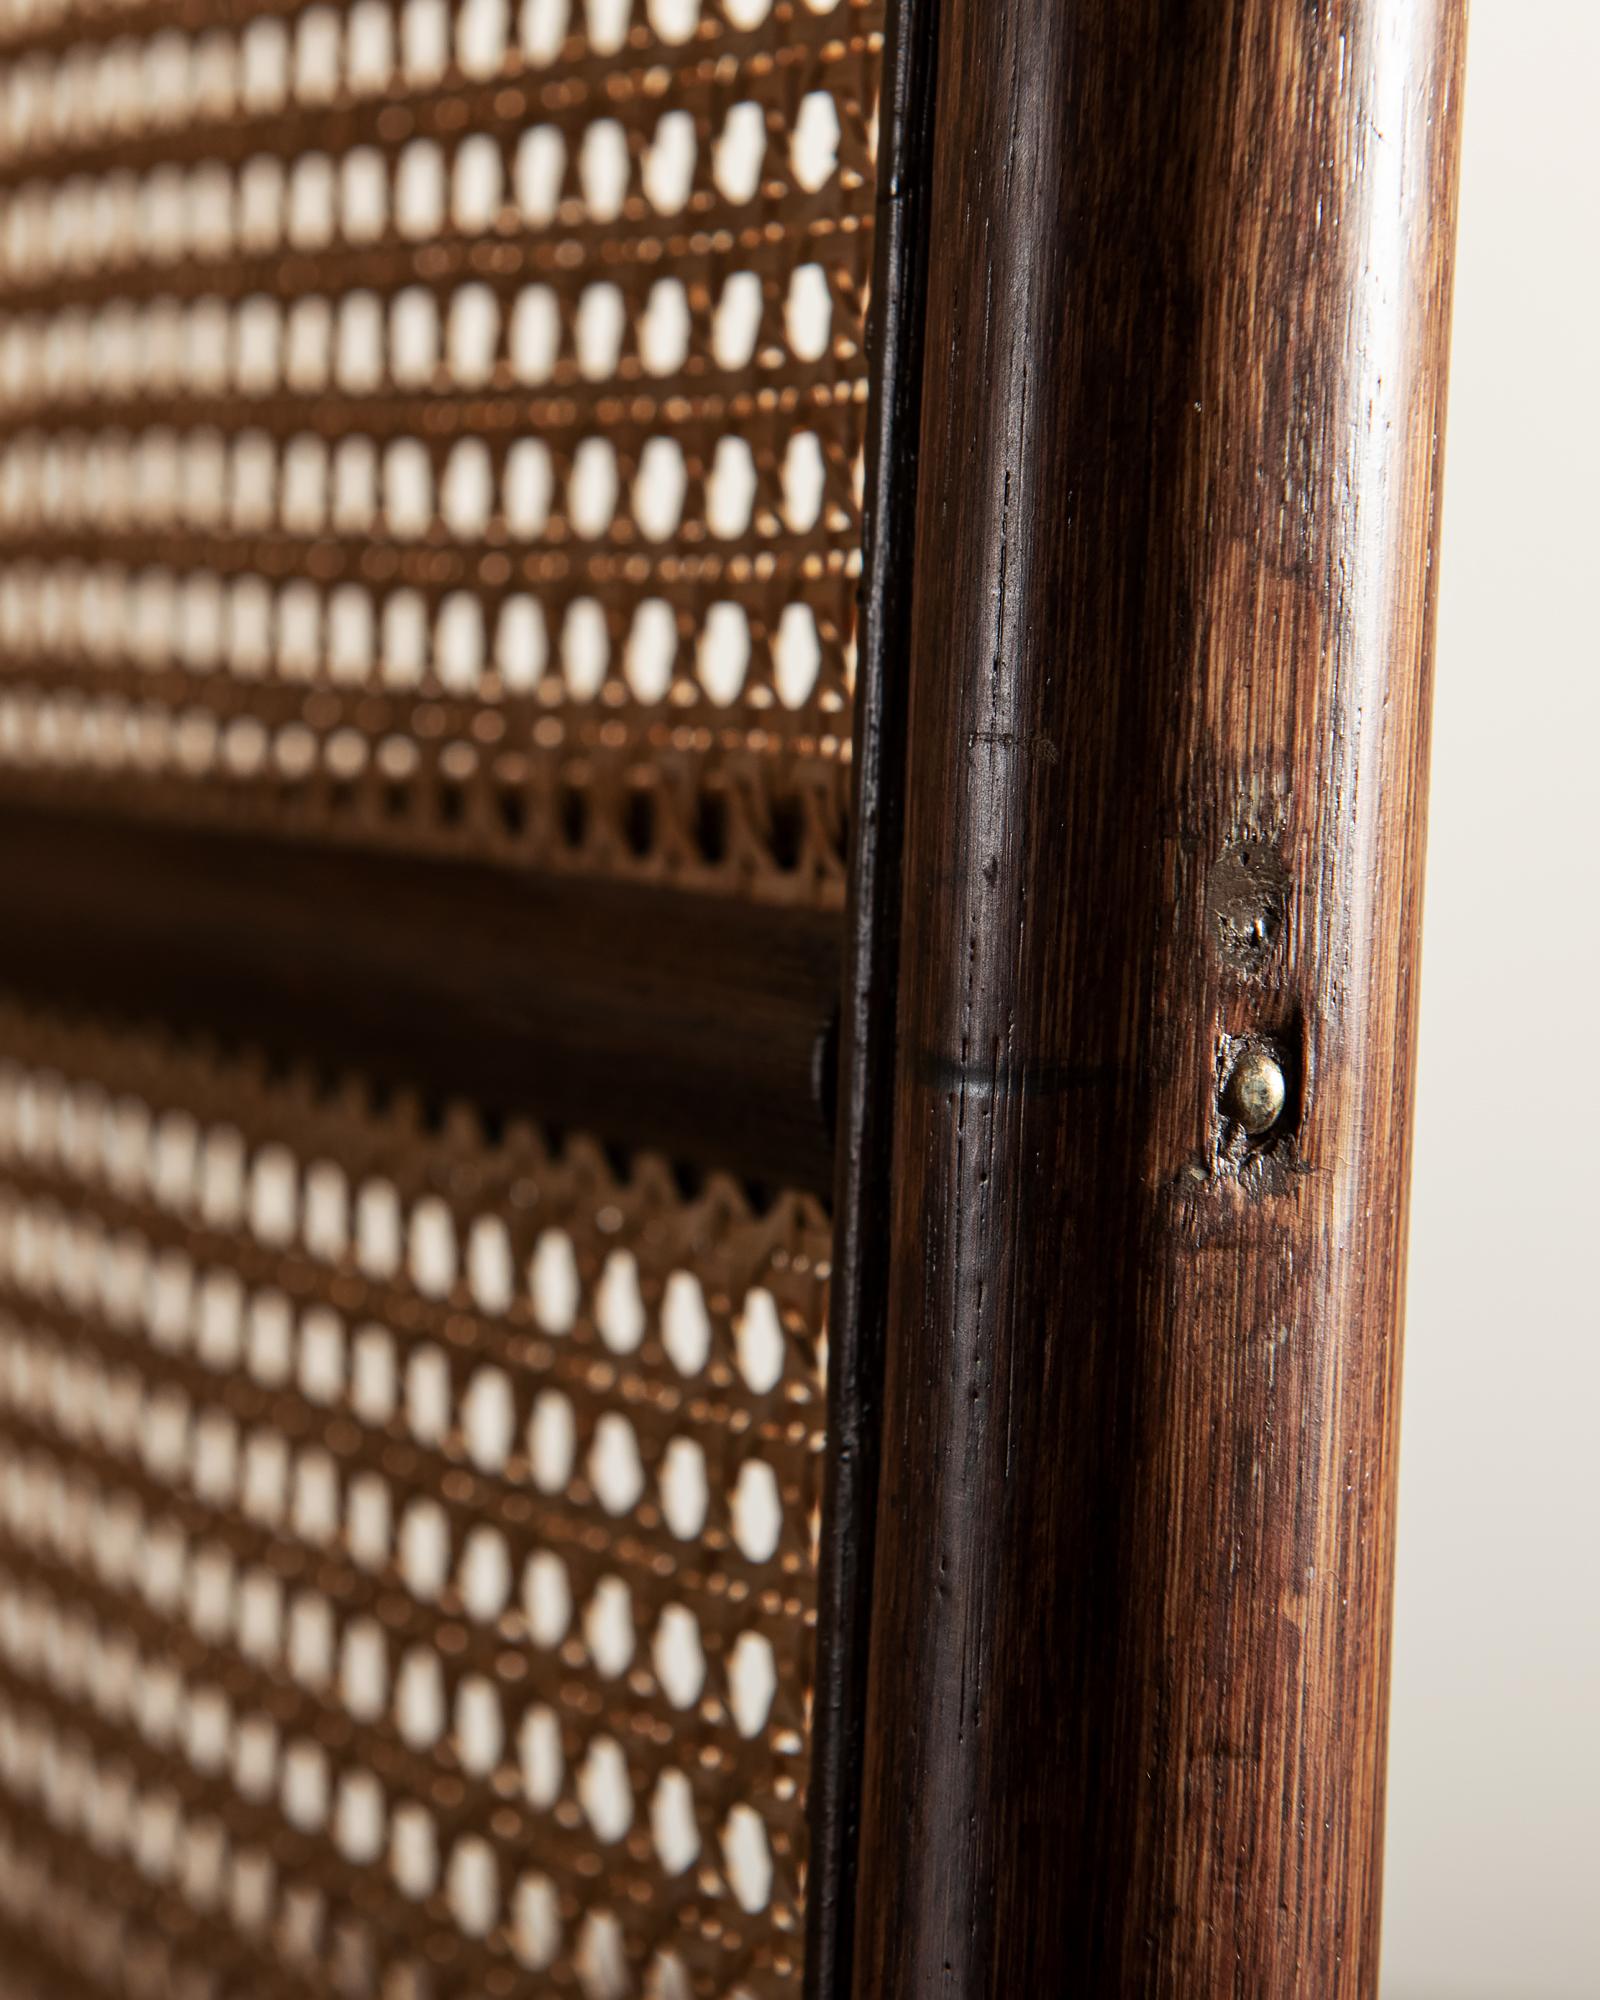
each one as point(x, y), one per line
point(1176, 518)
point(695, 1025)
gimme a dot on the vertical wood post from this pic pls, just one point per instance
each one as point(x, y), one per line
point(857, 1304)
point(1188, 306)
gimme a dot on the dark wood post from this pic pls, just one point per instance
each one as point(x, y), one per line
point(1188, 305)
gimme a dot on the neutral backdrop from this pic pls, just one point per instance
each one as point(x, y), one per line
point(1493, 1876)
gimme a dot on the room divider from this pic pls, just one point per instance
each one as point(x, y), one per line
point(713, 720)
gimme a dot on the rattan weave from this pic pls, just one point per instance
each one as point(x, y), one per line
point(407, 1548)
point(441, 424)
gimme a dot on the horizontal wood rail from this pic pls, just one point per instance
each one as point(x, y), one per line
point(692, 1025)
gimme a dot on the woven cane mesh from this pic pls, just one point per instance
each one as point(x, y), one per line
point(440, 421)
point(407, 1543)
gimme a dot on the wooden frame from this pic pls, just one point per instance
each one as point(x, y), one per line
point(864, 1165)
point(1169, 663)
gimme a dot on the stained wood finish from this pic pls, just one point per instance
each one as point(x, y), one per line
point(1176, 520)
point(864, 1165)
point(699, 1027)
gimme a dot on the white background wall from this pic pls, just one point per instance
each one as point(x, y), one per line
point(1493, 1880)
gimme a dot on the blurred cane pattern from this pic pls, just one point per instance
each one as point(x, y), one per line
point(407, 1548)
point(442, 423)
point(434, 426)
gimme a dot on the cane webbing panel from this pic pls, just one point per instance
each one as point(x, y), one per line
point(441, 423)
point(407, 1544)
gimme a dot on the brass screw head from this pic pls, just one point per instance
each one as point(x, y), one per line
point(1255, 1091)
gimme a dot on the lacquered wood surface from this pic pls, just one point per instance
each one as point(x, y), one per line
point(1188, 303)
point(864, 1163)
